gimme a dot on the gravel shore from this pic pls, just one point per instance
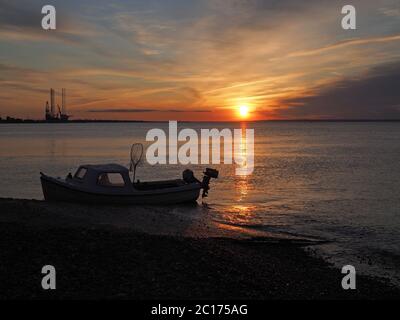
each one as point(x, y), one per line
point(103, 261)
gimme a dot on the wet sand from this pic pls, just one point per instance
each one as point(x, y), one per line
point(97, 256)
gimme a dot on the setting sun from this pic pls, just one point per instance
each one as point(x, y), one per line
point(244, 111)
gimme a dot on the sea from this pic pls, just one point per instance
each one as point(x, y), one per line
point(338, 182)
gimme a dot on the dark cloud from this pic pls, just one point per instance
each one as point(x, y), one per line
point(21, 87)
point(128, 110)
point(24, 18)
point(121, 110)
point(375, 95)
point(20, 14)
point(286, 6)
point(188, 110)
point(27, 14)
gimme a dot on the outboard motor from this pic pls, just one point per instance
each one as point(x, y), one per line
point(208, 174)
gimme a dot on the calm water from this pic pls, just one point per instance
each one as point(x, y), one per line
point(336, 181)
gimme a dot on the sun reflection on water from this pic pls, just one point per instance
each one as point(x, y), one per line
point(241, 213)
point(244, 149)
point(242, 188)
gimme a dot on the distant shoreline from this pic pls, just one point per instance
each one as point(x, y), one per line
point(25, 121)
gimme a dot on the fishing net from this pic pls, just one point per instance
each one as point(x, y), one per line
point(136, 158)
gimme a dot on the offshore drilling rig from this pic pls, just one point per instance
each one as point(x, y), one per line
point(59, 114)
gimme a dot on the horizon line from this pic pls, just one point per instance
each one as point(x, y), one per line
point(19, 120)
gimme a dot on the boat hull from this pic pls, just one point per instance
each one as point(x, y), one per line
point(57, 191)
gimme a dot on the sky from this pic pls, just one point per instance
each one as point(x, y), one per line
point(202, 59)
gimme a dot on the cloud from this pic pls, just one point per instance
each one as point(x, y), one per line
point(20, 15)
point(186, 110)
point(25, 16)
point(187, 54)
point(391, 11)
point(121, 110)
point(21, 79)
point(374, 95)
point(345, 43)
point(21, 21)
point(130, 110)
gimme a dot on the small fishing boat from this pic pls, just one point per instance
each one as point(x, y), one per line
point(111, 184)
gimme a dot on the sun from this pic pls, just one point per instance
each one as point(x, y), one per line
point(243, 111)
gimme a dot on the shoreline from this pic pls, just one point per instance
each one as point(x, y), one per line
point(97, 261)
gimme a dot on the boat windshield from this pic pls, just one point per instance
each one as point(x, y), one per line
point(111, 180)
point(81, 173)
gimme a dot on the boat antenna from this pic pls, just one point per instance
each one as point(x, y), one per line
point(136, 157)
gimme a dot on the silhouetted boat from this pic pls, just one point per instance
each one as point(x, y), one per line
point(111, 184)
